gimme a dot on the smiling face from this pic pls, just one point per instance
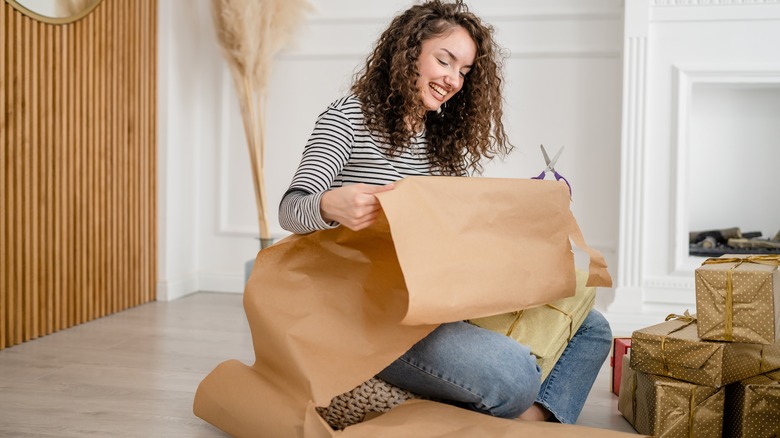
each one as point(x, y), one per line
point(443, 64)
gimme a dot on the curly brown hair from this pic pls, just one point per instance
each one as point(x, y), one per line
point(469, 128)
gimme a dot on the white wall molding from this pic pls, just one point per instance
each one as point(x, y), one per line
point(662, 3)
point(224, 226)
point(714, 11)
point(169, 290)
point(565, 53)
point(628, 298)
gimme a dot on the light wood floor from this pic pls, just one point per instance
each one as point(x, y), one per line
point(134, 374)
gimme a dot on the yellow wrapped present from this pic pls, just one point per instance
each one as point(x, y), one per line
point(753, 407)
point(545, 329)
point(673, 349)
point(738, 298)
point(664, 407)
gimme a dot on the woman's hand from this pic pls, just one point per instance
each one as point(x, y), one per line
point(353, 206)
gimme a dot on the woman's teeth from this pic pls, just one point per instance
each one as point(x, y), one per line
point(439, 90)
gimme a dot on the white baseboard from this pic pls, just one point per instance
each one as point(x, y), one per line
point(172, 289)
point(221, 282)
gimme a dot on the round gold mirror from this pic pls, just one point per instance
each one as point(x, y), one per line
point(55, 11)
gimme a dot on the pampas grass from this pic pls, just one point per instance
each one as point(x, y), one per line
point(250, 33)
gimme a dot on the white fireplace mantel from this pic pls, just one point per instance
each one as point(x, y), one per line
point(670, 46)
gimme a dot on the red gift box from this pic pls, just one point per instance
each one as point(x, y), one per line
point(620, 347)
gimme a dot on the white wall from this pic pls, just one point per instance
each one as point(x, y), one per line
point(563, 87)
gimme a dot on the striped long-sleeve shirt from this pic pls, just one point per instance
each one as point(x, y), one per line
point(341, 151)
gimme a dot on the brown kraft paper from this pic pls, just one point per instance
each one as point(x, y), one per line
point(738, 298)
point(673, 349)
point(330, 309)
point(669, 408)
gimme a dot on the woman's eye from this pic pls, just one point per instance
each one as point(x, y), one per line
point(442, 62)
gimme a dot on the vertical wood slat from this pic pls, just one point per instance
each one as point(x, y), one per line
point(134, 204)
point(3, 198)
point(18, 285)
point(99, 180)
point(62, 166)
point(26, 182)
point(32, 270)
point(113, 125)
point(56, 323)
point(78, 238)
point(47, 317)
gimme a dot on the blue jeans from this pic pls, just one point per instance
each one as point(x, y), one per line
point(468, 366)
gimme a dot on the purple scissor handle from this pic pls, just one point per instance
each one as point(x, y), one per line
point(551, 167)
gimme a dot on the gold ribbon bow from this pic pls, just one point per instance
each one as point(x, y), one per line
point(772, 260)
point(685, 317)
point(688, 319)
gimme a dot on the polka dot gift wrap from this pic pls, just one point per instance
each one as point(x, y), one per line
point(669, 408)
point(753, 407)
point(737, 298)
point(673, 349)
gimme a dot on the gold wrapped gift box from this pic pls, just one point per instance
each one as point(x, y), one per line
point(545, 329)
point(673, 349)
point(753, 407)
point(737, 299)
point(664, 407)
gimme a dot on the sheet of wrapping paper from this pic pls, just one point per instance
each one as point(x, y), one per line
point(753, 407)
point(754, 312)
point(545, 329)
point(330, 309)
point(454, 227)
point(673, 349)
point(669, 408)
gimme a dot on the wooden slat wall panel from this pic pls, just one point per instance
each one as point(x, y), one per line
point(78, 187)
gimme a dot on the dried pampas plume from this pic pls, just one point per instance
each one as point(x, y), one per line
point(250, 33)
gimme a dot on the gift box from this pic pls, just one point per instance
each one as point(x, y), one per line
point(664, 407)
point(545, 329)
point(737, 299)
point(620, 347)
point(673, 349)
point(753, 407)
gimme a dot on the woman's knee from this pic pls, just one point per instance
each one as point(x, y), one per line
point(517, 383)
point(599, 330)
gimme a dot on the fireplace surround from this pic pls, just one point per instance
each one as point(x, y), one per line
point(679, 55)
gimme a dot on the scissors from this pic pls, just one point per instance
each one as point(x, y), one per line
point(551, 167)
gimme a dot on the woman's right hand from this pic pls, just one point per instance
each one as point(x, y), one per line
point(353, 206)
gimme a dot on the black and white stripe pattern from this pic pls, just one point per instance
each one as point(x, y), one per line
point(342, 151)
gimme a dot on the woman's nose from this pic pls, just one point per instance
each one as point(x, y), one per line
point(453, 80)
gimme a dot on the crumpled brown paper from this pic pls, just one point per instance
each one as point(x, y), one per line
point(330, 309)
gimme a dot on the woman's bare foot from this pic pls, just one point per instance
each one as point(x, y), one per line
point(536, 412)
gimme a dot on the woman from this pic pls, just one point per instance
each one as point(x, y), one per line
point(428, 102)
